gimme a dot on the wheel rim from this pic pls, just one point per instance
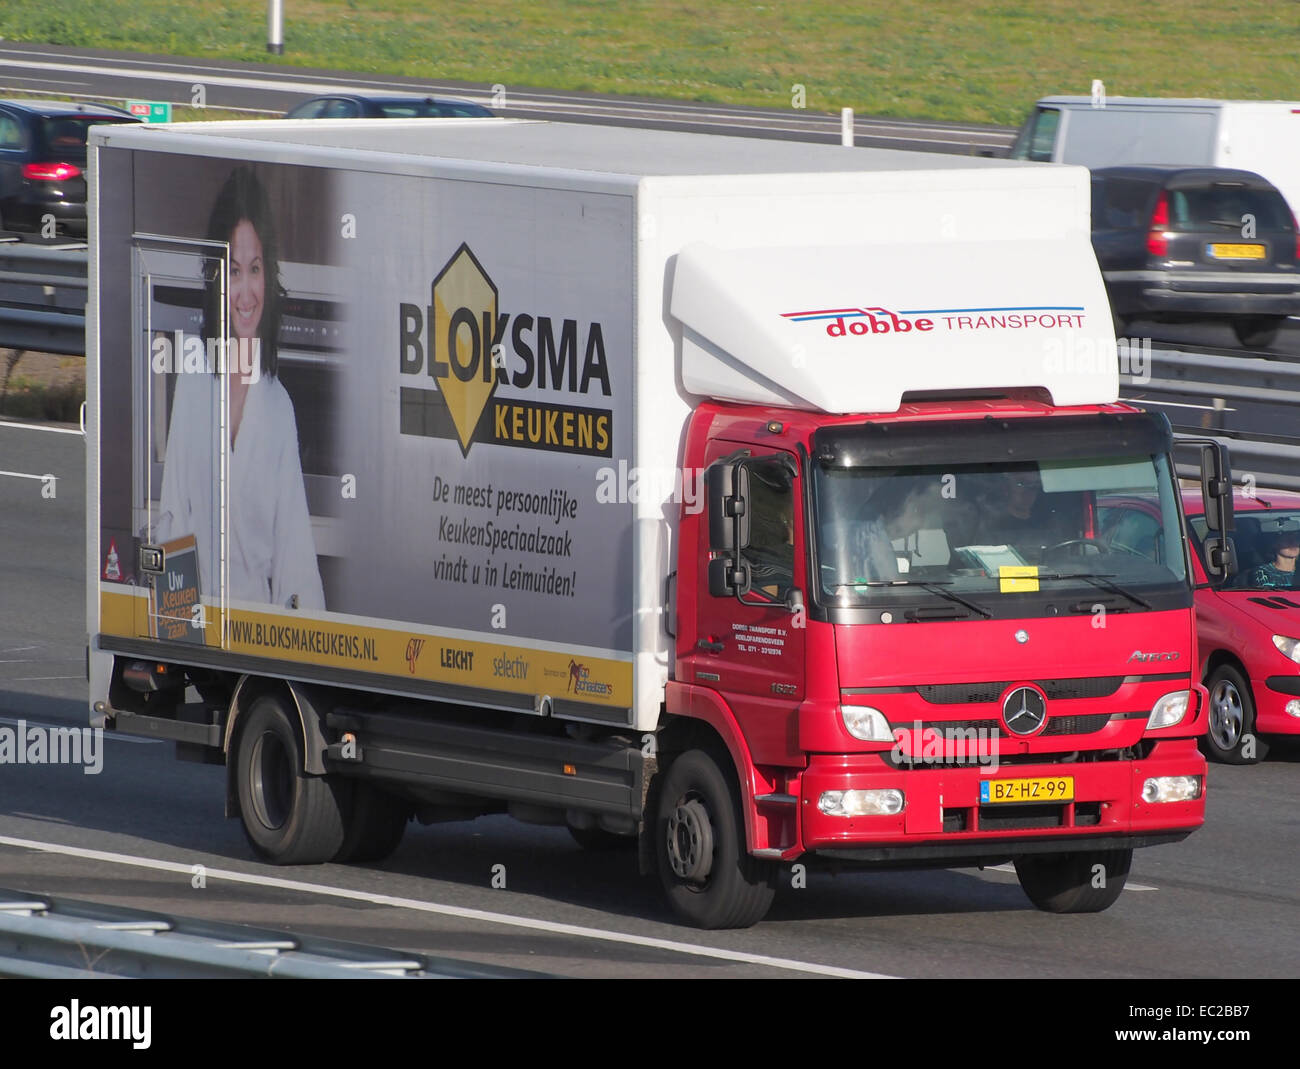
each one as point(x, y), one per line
point(272, 781)
point(1227, 715)
point(690, 841)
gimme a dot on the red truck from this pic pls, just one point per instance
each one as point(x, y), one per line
point(736, 500)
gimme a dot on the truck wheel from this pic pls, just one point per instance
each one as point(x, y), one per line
point(1232, 720)
point(376, 822)
point(709, 878)
point(290, 818)
point(1074, 883)
point(1257, 332)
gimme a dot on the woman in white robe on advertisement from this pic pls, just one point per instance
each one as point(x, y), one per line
point(271, 556)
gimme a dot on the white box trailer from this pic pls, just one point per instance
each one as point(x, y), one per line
point(396, 447)
point(1251, 135)
point(571, 234)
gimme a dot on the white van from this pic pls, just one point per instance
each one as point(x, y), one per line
point(1259, 136)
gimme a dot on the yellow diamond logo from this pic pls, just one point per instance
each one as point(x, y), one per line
point(464, 322)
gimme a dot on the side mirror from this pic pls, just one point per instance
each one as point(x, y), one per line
point(1216, 494)
point(728, 578)
point(1220, 558)
point(726, 490)
point(794, 601)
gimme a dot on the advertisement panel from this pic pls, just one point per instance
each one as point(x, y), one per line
point(374, 409)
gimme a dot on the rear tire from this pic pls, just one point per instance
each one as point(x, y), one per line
point(376, 822)
point(1073, 883)
point(709, 878)
point(1257, 332)
point(1232, 720)
point(289, 817)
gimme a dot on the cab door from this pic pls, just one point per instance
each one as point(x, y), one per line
point(181, 419)
point(751, 648)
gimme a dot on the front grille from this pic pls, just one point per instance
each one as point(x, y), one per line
point(1076, 725)
point(1055, 689)
point(1099, 687)
point(1011, 817)
point(1087, 814)
point(961, 693)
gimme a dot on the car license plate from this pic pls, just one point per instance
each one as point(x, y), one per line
point(1041, 789)
point(1237, 252)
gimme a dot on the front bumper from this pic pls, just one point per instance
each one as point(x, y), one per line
point(1271, 717)
point(943, 814)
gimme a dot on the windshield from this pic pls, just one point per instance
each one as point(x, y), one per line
point(1037, 138)
point(973, 534)
point(1267, 545)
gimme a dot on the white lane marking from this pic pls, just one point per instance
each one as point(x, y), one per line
point(34, 679)
point(38, 427)
point(24, 475)
point(47, 726)
point(446, 911)
point(20, 649)
point(1009, 867)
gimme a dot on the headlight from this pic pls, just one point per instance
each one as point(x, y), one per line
point(1289, 647)
point(1169, 710)
point(865, 723)
point(887, 802)
point(1171, 789)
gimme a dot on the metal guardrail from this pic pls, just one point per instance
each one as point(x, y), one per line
point(43, 298)
point(1244, 399)
point(49, 937)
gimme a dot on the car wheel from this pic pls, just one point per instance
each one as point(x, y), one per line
point(1088, 882)
point(710, 880)
point(1230, 735)
point(1257, 332)
point(290, 817)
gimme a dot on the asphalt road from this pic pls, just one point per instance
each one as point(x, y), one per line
point(274, 89)
point(1223, 903)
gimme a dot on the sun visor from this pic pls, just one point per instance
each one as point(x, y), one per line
point(854, 328)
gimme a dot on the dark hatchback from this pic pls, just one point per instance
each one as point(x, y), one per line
point(354, 106)
point(1188, 242)
point(43, 159)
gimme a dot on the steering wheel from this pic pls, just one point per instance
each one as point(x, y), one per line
point(1100, 547)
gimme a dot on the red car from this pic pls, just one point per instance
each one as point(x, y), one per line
point(1249, 629)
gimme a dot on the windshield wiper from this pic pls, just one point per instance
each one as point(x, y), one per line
point(933, 586)
point(1102, 581)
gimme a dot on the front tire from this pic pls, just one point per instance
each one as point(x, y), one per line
point(710, 879)
point(289, 817)
point(1087, 882)
point(1230, 735)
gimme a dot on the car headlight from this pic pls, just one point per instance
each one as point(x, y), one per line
point(1169, 710)
point(865, 723)
point(1288, 647)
